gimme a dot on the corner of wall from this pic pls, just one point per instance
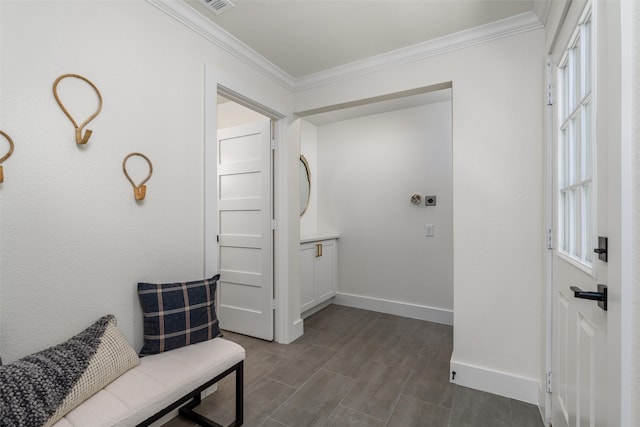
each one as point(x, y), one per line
point(497, 382)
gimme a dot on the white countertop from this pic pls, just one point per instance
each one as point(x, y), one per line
point(317, 238)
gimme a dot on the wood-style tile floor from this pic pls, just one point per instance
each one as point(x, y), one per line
point(359, 368)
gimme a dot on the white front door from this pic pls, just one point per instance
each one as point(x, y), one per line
point(245, 229)
point(580, 325)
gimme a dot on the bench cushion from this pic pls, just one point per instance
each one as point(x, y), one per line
point(157, 382)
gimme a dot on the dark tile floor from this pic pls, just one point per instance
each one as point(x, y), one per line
point(359, 368)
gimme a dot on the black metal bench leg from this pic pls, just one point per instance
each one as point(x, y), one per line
point(240, 394)
point(188, 412)
point(194, 398)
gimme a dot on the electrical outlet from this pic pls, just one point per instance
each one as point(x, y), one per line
point(428, 230)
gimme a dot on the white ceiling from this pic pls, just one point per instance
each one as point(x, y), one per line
point(303, 37)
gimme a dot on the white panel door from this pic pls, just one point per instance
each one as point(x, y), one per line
point(245, 233)
point(579, 375)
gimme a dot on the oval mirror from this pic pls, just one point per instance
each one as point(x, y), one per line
point(305, 184)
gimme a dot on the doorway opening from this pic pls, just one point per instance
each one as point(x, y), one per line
point(240, 214)
point(368, 158)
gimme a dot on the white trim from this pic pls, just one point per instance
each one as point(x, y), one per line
point(496, 382)
point(297, 330)
point(544, 395)
point(316, 308)
point(210, 160)
point(628, 246)
point(289, 325)
point(542, 11)
point(517, 24)
point(414, 311)
point(186, 15)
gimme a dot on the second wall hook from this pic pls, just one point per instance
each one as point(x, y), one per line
point(140, 190)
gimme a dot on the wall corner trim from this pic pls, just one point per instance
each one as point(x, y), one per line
point(186, 15)
point(413, 311)
point(513, 25)
point(497, 382)
point(296, 331)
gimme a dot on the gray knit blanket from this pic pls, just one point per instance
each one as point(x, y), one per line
point(33, 388)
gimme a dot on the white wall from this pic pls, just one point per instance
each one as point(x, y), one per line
point(74, 241)
point(368, 169)
point(497, 199)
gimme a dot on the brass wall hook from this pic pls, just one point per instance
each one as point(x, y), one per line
point(81, 138)
point(6, 156)
point(140, 190)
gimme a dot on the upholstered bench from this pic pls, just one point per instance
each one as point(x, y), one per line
point(160, 384)
point(96, 378)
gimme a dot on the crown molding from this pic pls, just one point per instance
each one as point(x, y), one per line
point(186, 15)
point(197, 22)
point(517, 24)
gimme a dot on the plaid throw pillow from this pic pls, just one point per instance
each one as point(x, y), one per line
point(178, 314)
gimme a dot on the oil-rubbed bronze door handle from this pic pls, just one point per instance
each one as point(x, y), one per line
point(600, 296)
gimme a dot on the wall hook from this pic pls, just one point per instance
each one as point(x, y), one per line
point(81, 138)
point(6, 156)
point(139, 191)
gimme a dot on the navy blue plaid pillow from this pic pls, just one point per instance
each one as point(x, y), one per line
point(178, 314)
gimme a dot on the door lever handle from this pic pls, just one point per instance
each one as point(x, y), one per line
point(601, 296)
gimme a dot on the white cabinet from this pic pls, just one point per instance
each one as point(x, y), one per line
point(318, 272)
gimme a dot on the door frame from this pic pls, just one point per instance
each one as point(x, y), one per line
point(283, 316)
point(620, 212)
point(630, 104)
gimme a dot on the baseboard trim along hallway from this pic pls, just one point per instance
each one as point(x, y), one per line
point(413, 311)
point(496, 382)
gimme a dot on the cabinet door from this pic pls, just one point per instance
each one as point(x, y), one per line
point(325, 271)
point(307, 261)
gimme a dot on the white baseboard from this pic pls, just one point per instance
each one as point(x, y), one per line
point(297, 330)
point(317, 308)
point(496, 382)
point(414, 311)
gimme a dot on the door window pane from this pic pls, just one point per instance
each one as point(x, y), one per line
point(576, 152)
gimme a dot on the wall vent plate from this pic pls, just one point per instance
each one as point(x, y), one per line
point(429, 200)
point(218, 6)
